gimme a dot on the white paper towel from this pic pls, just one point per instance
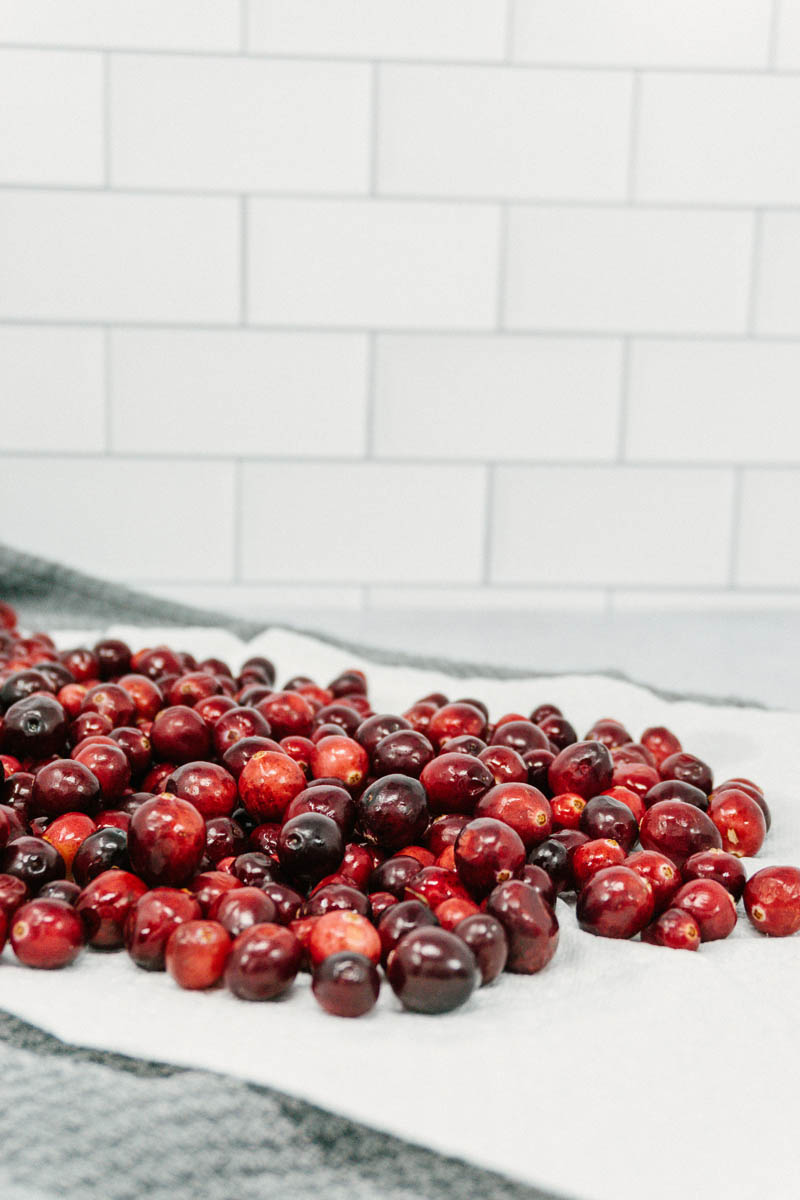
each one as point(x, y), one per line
point(622, 1070)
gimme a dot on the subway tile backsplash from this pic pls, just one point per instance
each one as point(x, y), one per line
point(404, 303)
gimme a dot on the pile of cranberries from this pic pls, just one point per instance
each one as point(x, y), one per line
point(223, 829)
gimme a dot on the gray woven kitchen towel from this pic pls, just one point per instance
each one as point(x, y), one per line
point(83, 1125)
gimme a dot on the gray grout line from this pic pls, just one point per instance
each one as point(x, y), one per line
point(374, 128)
point(108, 390)
point(755, 272)
point(633, 136)
point(736, 522)
point(488, 523)
point(369, 413)
point(624, 400)
point(502, 267)
point(244, 259)
point(106, 121)
point(238, 490)
point(510, 30)
point(774, 34)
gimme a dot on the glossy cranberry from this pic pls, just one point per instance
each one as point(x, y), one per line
point(151, 922)
point(678, 830)
point(434, 885)
point(610, 732)
point(660, 872)
point(356, 865)
point(676, 789)
point(616, 902)
point(224, 838)
point(740, 820)
point(70, 697)
point(310, 846)
point(381, 902)
point(345, 714)
point(288, 713)
point(264, 838)
point(111, 701)
point(336, 897)
point(537, 878)
point(632, 752)
point(287, 901)
point(338, 931)
point(89, 725)
point(530, 926)
point(374, 729)
point(262, 666)
point(237, 756)
point(22, 684)
point(453, 720)
point(238, 723)
point(60, 889)
point(712, 907)
point(135, 745)
point(631, 800)
point(252, 691)
point(488, 852)
point(299, 749)
point(99, 852)
point(432, 971)
point(209, 787)
point(82, 663)
point(17, 793)
point(145, 694)
point(559, 731)
point(64, 786)
point(32, 860)
point(166, 840)
point(450, 912)
point(522, 736)
point(346, 984)
point(208, 886)
point(605, 817)
point(179, 735)
point(394, 875)
point(67, 834)
point(340, 757)
point(196, 954)
point(593, 856)
point(661, 743)
point(34, 728)
point(212, 708)
point(539, 763)
point(689, 769)
point(110, 766)
point(399, 920)
point(348, 682)
point(465, 743)
point(505, 764)
point(772, 901)
point(46, 934)
point(393, 811)
point(444, 830)
point(113, 657)
point(717, 865)
point(554, 858)
point(56, 674)
point(522, 807)
point(268, 783)
point(104, 905)
point(487, 940)
point(111, 819)
point(455, 782)
point(404, 752)
point(156, 661)
point(674, 928)
point(635, 777)
point(419, 715)
point(585, 768)
point(192, 687)
point(254, 869)
point(566, 809)
point(13, 892)
point(242, 908)
point(751, 791)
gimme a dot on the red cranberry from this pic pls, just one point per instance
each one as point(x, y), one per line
point(374, 729)
point(194, 686)
point(89, 725)
point(237, 756)
point(381, 902)
point(288, 713)
point(487, 940)
point(197, 952)
point(110, 766)
point(46, 933)
point(632, 752)
point(610, 732)
point(13, 892)
point(745, 785)
point(310, 846)
point(268, 783)
point(674, 928)
point(559, 731)
point(242, 908)
point(631, 799)
point(660, 872)
point(403, 752)
point(346, 984)
point(455, 782)
point(345, 715)
point(238, 723)
point(678, 830)
point(356, 865)
point(151, 921)
point(261, 666)
point(712, 907)
point(81, 662)
point(336, 897)
point(585, 768)
point(287, 901)
point(104, 905)
point(300, 750)
point(60, 889)
point(111, 819)
point(453, 720)
point(166, 840)
point(635, 777)
point(488, 852)
point(254, 869)
point(616, 903)
point(210, 788)
point(99, 852)
point(339, 757)
point(772, 901)
point(156, 778)
point(540, 881)
point(432, 971)
point(522, 736)
point(348, 682)
point(135, 745)
point(179, 735)
point(32, 860)
point(717, 865)
point(450, 912)
point(566, 808)
point(338, 931)
point(264, 838)
point(688, 769)
point(224, 838)
point(434, 885)
point(68, 833)
point(594, 856)
point(676, 789)
point(740, 821)
point(605, 817)
point(444, 830)
point(64, 786)
point(522, 807)
point(419, 715)
point(34, 728)
point(111, 701)
point(505, 764)
point(530, 926)
point(208, 886)
point(661, 743)
point(393, 811)
point(146, 695)
point(155, 661)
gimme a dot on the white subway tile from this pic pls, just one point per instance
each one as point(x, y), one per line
point(357, 522)
point(769, 548)
point(709, 601)
point(93, 256)
point(52, 385)
point(788, 35)
point(51, 129)
point(447, 29)
point(239, 393)
point(640, 33)
point(778, 296)
point(714, 401)
point(491, 131)
point(133, 24)
point(487, 599)
point(626, 269)
point(480, 397)
point(262, 602)
point(239, 124)
point(730, 139)
point(346, 263)
point(611, 526)
point(122, 519)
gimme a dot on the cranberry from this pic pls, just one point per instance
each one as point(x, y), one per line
point(21, 685)
point(522, 807)
point(237, 756)
point(529, 923)
point(192, 687)
point(68, 833)
point(196, 954)
point(111, 701)
point(156, 778)
point(635, 777)
point(110, 766)
point(179, 735)
point(264, 838)
point(299, 750)
point(64, 786)
point(135, 745)
point(374, 729)
point(155, 661)
point(166, 840)
point(522, 736)
point(674, 928)
point(393, 811)
point(717, 865)
point(150, 923)
point(224, 838)
point(444, 830)
point(339, 757)
point(146, 695)
point(89, 725)
point(559, 731)
point(34, 728)
point(434, 885)
point(745, 785)
point(111, 819)
point(82, 663)
point(348, 682)
point(310, 846)
point(13, 892)
point(610, 732)
point(337, 931)
point(346, 984)
point(336, 897)
point(712, 907)
point(46, 933)
point(740, 821)
point(113, 657)
point(688, 769)
point(60, 889)
point(403, 752)
point(419, 715)
point(104, 905)
point(585, 768)
point(505, 764)
point(453, 720)
point(566, 808)
point(488, 852)
point(269, 781)
point(209, 787)
point(594, 856)
point(288, 713)
point(356, 865)
point(287, 901)
point(99, 852)
point(661, 743)
point(605, 817)
point(676, 789)
point(772, 901)
point(242, 908)
point(345, 715)
point(632, 752)
point(660, 872)
point(254, 869)
point(678, 830)
point(616, 903)
point(399, 920)
point(261, 666)
point(631, 799)
point(555, 859)
point(394, 875)
point(18, 794)
point(32, 860)
point(432, 971)
point(450, 912)
point(208, 886)
point(455, 782)
point(381, 902)
point(237, 723)
point(487, 940)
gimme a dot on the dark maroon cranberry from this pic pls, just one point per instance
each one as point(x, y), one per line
point(60, 889)
point(444, 830)
point(487, 940)
point(254, 869)
point(718, 865)
point(374, 729)
point(393, 811)
point(401, 919)
point(310, 847)
point(56, 674)
point(166, 840)
point(17, 793)
point(104, 905)
point(22, 684)
point(688, 769)
point(537, 878)
point(209, 787)
point(432, 971)
point(529, 923)
point(100, 851)
point(347, 718)
point(179, 735)
point(263, 962)
point(64, 786)
point(488, 852)
point(466, 743)
point(538, 763)
point(135, 745)
point(264, 839)
point(522, 736)
point(676, 789)
point(605, 817)
point(332, 800)
point(558, 729)
point(287, 901)
point(553, 856)
point(335, 897)
point(242, 908)
point(545, 710)
point(32, 860)
point(586, 769)
point(394, 875)
point(346, 984)
point(152, 920)
point(616, 902)
point(403, 752)
point(34, 728)
point(678, 830)
point(262, 666)
point(225, 838)
point(113, 657)
point(348, 682)
point(237, 756)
